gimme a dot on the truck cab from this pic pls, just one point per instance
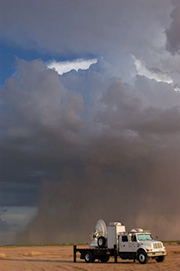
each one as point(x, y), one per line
point(139, 244)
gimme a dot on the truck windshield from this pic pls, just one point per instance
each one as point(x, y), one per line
point(144, 237)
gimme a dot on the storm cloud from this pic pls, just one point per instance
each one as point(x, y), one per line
point(95, 143)
point(110, 158)
point(173, 37)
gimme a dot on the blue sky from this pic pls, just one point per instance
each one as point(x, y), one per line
point(89, 104)
point(11, 51)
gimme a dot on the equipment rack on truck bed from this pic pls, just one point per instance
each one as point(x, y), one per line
point(91, 254)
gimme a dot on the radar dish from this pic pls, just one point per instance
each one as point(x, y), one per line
point(100, 229)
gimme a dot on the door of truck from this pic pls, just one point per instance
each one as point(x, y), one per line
point(123, 243)
point(132, 242)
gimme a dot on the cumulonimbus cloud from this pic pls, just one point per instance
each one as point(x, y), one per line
point(84, 154)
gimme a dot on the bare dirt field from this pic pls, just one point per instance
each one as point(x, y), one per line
point(57, 258)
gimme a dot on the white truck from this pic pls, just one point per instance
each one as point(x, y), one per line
point(114, 240)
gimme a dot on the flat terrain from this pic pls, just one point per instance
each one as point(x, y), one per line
point(57, 258)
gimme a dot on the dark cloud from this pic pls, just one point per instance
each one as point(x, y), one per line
point(112, 157)
point(63, 26)
point(173, 37)
point(133, 108)
point(36, 110)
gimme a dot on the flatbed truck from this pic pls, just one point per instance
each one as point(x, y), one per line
point(114, 240)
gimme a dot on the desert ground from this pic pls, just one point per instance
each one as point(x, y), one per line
point(57, 258)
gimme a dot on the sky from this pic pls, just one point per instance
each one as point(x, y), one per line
point(89, 118)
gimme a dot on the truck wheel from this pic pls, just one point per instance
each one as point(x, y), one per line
point(101, 242)
point(89, 258)
point(104, 259)
point(160, 259)
point(142, 257)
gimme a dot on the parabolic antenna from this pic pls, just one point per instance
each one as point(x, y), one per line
point(100, 229)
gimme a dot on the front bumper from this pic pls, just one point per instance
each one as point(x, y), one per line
point(153, 254)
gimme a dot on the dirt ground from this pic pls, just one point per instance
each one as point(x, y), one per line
point(57, 258)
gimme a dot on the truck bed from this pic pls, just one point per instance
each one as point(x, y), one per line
point(97, 252)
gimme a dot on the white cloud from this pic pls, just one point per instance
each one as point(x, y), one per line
point(63, 67)
point(156, 75)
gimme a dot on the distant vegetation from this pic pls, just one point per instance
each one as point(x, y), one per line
point(45, 245)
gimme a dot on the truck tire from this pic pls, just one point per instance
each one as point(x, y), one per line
point(104, 259)
point(101, 242)
point(160, 259)
point(142, 257)
point(89, 258)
